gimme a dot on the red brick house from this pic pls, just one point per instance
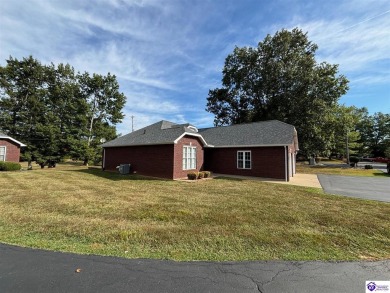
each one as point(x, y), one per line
point(168, 150)
point(9, 148)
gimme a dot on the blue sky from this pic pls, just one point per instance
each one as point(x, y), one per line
point(168, 54)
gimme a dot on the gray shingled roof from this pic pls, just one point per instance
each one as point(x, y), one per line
point(261, 133)
point(163, 132)
point(252, 134)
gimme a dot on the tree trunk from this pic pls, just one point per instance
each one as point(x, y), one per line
point(347, 148)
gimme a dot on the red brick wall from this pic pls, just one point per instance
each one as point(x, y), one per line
point(155, 160)
point(166, 161)
point(178, 158)
point(12, 150)
point(267, 162)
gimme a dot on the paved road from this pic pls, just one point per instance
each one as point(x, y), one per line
point(373, 188)
point(379, 166)
point(31, 270)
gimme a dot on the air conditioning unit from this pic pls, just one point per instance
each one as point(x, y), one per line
point(124, 168)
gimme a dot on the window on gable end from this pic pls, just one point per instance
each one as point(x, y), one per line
point(2, 153)
point(189, 158)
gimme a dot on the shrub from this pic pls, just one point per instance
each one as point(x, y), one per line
point(10, 166)
point(200, 175)
point(192, 175)
point(368, 167)
point(206, 174)
point(353, 160)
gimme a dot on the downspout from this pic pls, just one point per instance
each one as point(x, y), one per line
point(286, 164)
point(104, 159)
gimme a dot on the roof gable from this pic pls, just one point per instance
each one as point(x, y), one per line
point(4, 136)
point(264, 133)
point(163, 132)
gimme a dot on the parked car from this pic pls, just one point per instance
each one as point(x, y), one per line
point(367, 159)
point(381, 160)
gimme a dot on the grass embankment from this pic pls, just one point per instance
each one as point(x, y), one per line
point(76, 209)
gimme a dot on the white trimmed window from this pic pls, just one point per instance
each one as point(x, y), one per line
point(244, 160)
point(189, 158)
point(2, 153)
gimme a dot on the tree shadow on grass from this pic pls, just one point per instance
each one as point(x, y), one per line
point(382, 174)
point(115, 176)
point(228, 178)
point(335, 166)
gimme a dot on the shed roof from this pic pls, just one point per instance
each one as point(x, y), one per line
point(4, 136)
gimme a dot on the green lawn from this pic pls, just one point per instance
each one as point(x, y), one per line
point(76, 209)
point(338, 169)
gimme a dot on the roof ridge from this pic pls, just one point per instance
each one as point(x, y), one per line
point(247, 123)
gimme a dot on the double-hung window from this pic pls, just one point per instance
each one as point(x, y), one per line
point(244, 160)
point(189, 157)
point(2, 153)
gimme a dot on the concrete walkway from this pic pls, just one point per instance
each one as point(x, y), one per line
point(33, 270)
point(308, 180)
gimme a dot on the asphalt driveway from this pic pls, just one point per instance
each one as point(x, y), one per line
point(33, 270)
point(372, 188)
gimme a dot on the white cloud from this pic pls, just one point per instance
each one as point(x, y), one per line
point(167, 54)
point(358, 39)
point(353, 47)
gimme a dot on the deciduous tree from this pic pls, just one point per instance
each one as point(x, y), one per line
point(57, 112)
point(105, 104)
point(280, 79)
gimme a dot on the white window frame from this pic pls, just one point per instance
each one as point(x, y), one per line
point(189, 157)
point(244, 160)
point(4, 155)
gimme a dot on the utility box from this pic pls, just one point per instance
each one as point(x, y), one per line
point(124, 169)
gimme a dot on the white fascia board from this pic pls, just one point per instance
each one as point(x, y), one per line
point(249, 146)
point(130, 145)
point(14, 140)
point(191, 134)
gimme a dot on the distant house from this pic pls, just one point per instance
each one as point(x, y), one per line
point(9, 148)
point(168, 150)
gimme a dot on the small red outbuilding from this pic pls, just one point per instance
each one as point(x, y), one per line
point(9, 149)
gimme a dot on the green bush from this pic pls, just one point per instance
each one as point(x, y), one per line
point(368, 167)
point(192, 175)
point(354, 160)
point(10, 166)
point(207, 174)
point(200, 175)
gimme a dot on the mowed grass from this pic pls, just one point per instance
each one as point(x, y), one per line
point(303, 167)
point(76, 209)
